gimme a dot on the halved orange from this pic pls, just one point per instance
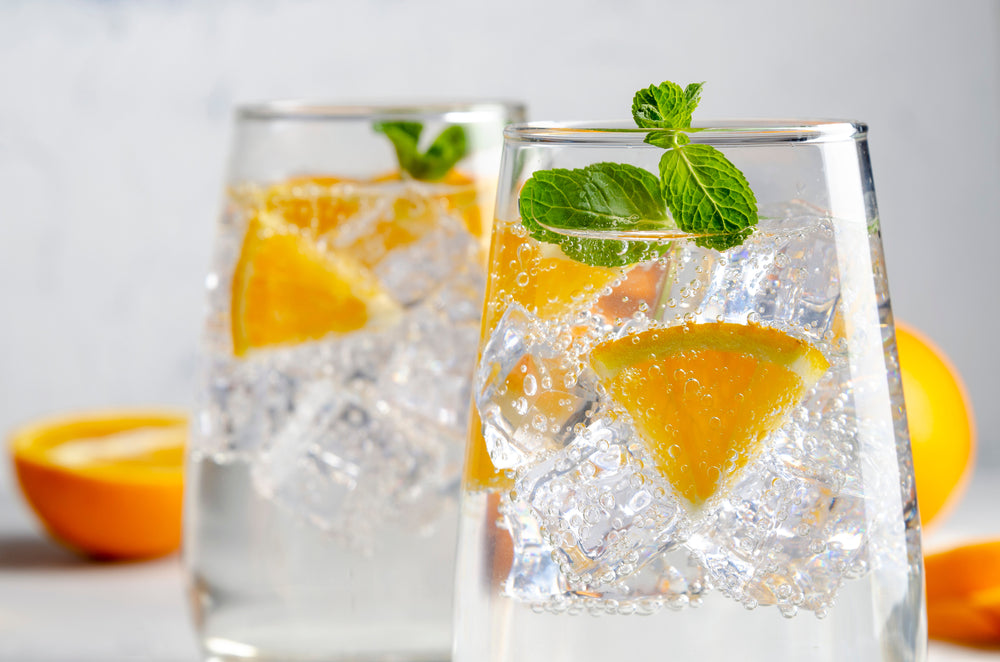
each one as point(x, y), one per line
point(108, 484)
point(287, 290)
point(705, 396)
point(963, 593)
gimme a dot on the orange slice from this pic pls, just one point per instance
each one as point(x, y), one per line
point(704, 396)
point(325, 207)
point(942, 427)
point(540, 277)
point(318, 204)
point(287, 290)
point(107, 484)
point(963, 593)
point(547, 283)
point(470, 198)
point(479, 473)
point(409, 218)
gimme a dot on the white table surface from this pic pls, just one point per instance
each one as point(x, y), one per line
point(56, 607)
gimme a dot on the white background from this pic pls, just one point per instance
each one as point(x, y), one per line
point(114, 121)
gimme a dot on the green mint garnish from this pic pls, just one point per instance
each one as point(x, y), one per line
point(665, 106)
point(602, 196)
point(708, 195)
point(705, 193)
point(446, 150)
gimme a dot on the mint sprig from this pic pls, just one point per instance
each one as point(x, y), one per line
point(602, 196)
point(706, 194)
point(447, 149)
point(665, 106)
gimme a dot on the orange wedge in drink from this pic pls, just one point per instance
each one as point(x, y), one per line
point(546, 283)
point(287, 289)
point(705, 396)
point(540, 277)
point(479, 473)
point(108, 484)
point(472, 200)
point(317, 204)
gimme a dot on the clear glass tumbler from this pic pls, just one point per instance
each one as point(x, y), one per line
point(702, 454)
point(344, 313)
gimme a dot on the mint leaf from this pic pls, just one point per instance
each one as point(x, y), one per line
point(447, 149)
point(404, 137)
point(601, 197)
point(708, 195)
point(665, 106)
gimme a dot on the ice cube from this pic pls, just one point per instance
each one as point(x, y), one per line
point(413, 271)
point(779, 275)
point(787, 534)
point(428, 371)
point(241, 404)
point(534, 576)
point(599, 508)
point(352, 465)
point(531, 391)
point(672, 579)
point(801, 286)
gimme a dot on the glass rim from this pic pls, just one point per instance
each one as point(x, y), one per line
point(309, 110)
point(726, 132)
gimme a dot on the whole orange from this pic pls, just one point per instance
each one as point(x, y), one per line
point(108, 484)
point(942, 427)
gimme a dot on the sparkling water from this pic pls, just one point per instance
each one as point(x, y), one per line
point(324, 475)
point(805, 543)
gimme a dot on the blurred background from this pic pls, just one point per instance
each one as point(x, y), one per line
point(115, 120)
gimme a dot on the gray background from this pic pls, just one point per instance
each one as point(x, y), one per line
point(114, 125)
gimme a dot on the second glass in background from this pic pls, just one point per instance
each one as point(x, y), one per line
point(344, 307)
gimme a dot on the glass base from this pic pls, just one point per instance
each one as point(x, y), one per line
point(325, 644)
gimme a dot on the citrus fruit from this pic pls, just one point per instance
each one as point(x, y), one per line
point(540, 277)
point(287, 290)
point(469, 197)
point(353, 215)
point(963, 593)
point(318, 204)
point(409, 217)
point(942, 428)
point(107, 484)
point(479, 473)
point(545, 282)
point(704, 396)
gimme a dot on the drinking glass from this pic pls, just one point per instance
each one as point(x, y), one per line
point(344, 311)
point(702, 455)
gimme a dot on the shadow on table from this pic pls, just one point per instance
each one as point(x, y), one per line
point(24, 551)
